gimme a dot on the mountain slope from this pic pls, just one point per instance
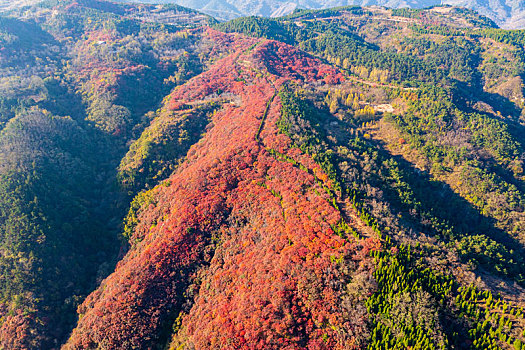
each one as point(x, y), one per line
point(226, 229)
point(225, 194)
point(344, 178)
point(72, 92)
point(506, 13)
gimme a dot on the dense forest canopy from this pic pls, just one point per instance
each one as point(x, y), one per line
point(345, 178)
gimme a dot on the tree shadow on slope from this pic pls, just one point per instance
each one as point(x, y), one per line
point(422, 203)
point(434, 208)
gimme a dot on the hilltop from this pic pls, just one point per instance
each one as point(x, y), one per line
point(507, 14)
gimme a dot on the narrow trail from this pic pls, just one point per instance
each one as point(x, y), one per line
point(351, 216)
point(370, 83)
point(263, 120)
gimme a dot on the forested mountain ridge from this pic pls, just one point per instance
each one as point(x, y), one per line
point(508, 14)
point(339, 179)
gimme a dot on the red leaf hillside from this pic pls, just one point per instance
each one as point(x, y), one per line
point(238, 243)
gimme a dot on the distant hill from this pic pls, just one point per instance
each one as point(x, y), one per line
point(509, 14)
